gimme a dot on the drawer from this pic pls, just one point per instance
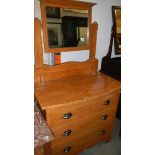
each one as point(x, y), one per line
point(84, 124)
point(63, 115)
point(70, 133)
point(83, 141)
point(66, 150)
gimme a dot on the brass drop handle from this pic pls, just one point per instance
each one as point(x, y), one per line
point(102, 132)
point(67, 149)
point(67, 116)
point(104, 117)
point(67, 133)
point(107, 102)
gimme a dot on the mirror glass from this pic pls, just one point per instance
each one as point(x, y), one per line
point(117, 28)
point(67, 27)
point(118, 20)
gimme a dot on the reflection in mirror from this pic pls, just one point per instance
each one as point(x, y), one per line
point(116, 10)
point(67, 27)
point(118, 20)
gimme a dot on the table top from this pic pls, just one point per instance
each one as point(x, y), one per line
point(75, 88)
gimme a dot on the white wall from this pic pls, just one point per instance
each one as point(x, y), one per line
point(102, 14)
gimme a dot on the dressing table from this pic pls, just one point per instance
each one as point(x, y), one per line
point(79, 103)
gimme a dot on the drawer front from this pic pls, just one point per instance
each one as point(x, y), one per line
point(66, 150)
point(81, 132)
point(79, 143)
point(61, 116)
point(83, 125)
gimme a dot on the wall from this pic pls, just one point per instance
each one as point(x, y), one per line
point(101, 14)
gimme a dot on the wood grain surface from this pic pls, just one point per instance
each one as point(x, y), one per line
point(38, 51)
point(75, 88)
point(69, 69)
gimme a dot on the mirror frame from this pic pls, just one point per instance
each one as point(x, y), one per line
point(117, 52)
point(65, 4)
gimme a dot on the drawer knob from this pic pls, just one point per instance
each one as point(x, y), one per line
point(67, 133)
point(104, 117)
point(102, 132)
point(67, 116)
point(107, 102)
point(67, 149)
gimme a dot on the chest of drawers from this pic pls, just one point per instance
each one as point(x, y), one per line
point(79, 103)
point(80, 111)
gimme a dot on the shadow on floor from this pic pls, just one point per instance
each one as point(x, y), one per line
point(111, 148)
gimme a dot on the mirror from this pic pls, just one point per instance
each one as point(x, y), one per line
point(116, 13)
point(66, 27)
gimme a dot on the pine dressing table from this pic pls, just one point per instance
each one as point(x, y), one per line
point(79, 102)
